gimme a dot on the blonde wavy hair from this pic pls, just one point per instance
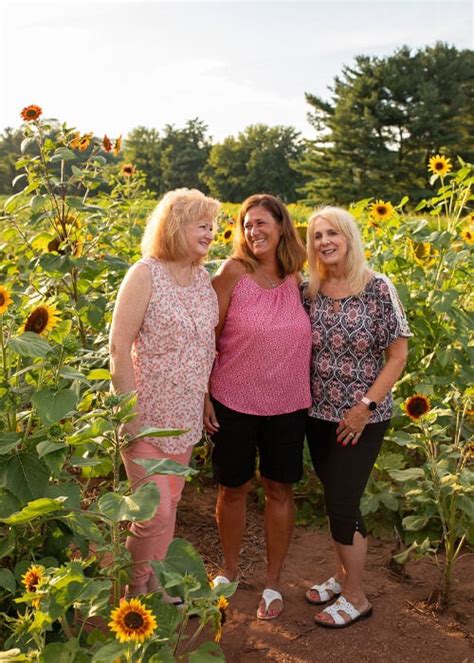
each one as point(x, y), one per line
point(291, 254)
point(164, 236)
point(357, 270)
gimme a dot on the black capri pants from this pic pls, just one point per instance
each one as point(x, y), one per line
point(344, 472)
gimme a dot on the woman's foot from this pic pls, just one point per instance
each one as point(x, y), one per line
point(319, 594)
point(271, 604)
point(343, 612)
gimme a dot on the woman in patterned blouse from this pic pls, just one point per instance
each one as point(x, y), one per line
point(359, 335)
point(162, 345)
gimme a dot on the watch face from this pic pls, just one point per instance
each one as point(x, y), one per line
point(372, 406)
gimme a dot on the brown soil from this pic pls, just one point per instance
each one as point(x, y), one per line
point(403, 628)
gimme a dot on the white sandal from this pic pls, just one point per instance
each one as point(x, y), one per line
point(346, 606)
point(268, 596)
point(331, 584)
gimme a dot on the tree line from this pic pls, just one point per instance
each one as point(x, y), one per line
point(384, 119)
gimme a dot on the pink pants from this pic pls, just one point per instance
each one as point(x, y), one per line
point(151, 538)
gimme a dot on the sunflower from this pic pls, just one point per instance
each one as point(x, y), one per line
point(33, 578)
point(30, 113)
point(5, 299)
point(466, 233)
point(117, 145)
point(132, 621)
point(368, 254)
point(381, 211)
point(222, 604)
point(417, 406)
point(106, 143)
point(424, 253)
point(84, 142)
point(439, 165)
point(127, 170)
point(76, 140)
point(228, 233)
point(41, 319)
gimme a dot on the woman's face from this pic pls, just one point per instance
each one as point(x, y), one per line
point(199, 234)
point(329, 244)
point(262, 232)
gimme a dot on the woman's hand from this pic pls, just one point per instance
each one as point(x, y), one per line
point(210, 422)
point(351, 427)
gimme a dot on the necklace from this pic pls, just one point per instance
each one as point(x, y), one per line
point(188, 280)
point(273, 284)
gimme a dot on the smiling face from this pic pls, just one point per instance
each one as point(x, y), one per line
point(262, 232)
point(199, 234)
point(330, 245)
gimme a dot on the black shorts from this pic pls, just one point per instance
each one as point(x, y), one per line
point(279, 440)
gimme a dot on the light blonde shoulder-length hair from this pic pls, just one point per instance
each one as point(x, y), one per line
point(291, 254)
point(357, 271)
point(164, 236)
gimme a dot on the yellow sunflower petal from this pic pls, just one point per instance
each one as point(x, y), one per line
point(417, 406)
point(439, 165)
point(42, 319)
point(5, 299)
point(132, 621)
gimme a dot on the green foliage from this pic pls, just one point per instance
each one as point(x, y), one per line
point(66, 240)
point(385, 118)
point(172, 160)
point(259, 159)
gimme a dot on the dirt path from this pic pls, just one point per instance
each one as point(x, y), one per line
point(402, 630)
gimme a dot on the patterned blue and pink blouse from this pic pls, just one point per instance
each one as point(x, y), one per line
point(349, 345)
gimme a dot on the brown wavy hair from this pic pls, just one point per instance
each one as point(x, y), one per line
point(291, 254)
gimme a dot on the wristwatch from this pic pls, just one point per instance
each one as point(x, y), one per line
point(371, 405)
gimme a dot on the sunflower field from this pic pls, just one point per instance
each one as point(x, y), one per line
point(66, 240)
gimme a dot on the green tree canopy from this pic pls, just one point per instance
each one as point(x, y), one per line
point(143, 148)
point(260, 159)
point(387, 116)
point(171, 159)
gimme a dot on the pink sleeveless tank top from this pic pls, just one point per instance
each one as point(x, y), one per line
point(264, 351)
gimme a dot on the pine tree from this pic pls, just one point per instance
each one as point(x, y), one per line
point(385, 118)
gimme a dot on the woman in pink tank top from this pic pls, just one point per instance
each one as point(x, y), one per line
point(260, 385)
point(162, 346)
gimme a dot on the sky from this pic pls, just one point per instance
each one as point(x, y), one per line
point(109, 66)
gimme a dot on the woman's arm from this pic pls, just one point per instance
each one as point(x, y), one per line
point(130, 307)
point(223, 283)
point(357, 417)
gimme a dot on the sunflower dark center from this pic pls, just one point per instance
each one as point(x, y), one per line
point(381, 209)
point(2, 299)
point(418, 406)
point(37, 321)
point(439, 165)
point(227, 234)
point(31, 112)
point(133, 620)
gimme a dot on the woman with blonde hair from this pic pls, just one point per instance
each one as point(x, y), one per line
point(259, 387)
point(359, 333)
point(162, 345)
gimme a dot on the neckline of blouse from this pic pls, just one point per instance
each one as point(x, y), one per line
point(341, 299)
point(173, 280)
point(261, 287)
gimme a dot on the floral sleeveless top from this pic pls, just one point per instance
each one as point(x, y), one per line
point(173, 354)
point(349, 345)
